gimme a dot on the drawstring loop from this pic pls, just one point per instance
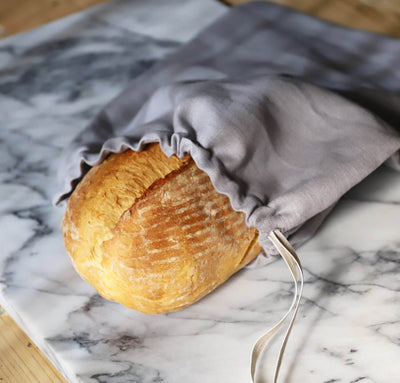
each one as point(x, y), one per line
point(291, 259)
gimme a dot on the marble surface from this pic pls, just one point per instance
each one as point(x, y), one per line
point(52, 82)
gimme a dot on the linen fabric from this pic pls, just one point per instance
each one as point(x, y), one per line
point(284, 112)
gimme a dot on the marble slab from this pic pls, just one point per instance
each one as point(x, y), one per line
point(52, 82)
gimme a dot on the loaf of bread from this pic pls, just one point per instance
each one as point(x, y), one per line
point(152, 233)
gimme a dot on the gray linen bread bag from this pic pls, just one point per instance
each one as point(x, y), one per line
point(285, 117)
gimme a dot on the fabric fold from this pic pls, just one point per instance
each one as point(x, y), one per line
point(284, 112)
point(282, 150)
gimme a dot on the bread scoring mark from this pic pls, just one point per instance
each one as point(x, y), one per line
point(157, 184)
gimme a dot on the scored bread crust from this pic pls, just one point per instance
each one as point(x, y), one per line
point(152, 233)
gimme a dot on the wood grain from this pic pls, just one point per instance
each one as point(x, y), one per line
point(382, 16)
point(21, 15)
point(20, 360)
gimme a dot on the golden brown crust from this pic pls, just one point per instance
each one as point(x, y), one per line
point(152, 233)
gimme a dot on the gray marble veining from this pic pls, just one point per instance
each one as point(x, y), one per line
point(52, 82)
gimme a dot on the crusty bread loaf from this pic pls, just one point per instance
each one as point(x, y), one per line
point(152, 233)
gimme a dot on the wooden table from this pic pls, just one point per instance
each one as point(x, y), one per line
point(20, 360)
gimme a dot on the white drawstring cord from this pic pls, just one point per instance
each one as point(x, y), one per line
point(287, 252)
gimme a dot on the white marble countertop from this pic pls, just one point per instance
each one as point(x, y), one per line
point(52, 82)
